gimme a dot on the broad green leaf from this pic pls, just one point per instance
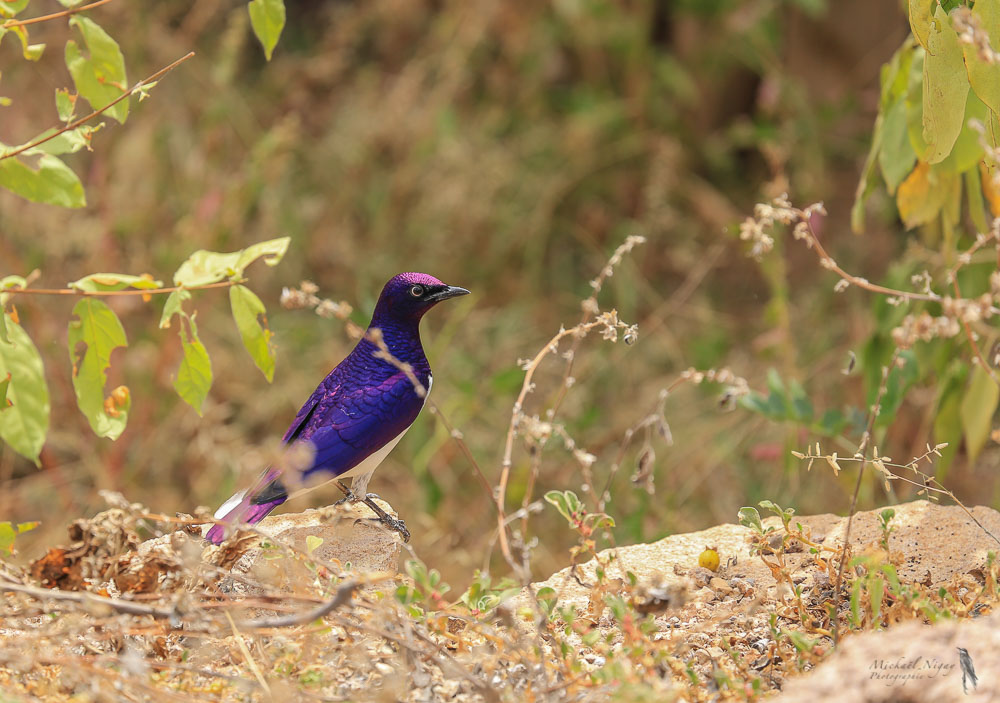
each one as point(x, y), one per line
point(194, 377)
point(4, 385)
point(920, 19)
point(10, 282)
point(896, 158)
point(251, 320)
point(32, 52)
point(66, 143)
point(4, 336)
point(205, 267)
point(9, 8)
point(267, 17)
point(948, 416)
point(94, 333)
point(915, 104)
point(26, 423)
point(977, 206)
point(100, 78)
point(115, 281)
point(52, 183)
point(173, 306)
point(65, 105)
point(946, 87)
point(985, 76)
point(967, 151)
point(978, 406)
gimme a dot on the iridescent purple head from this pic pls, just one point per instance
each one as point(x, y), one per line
point(410, 295)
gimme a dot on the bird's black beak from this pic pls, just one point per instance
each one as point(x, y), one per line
point(446, 292)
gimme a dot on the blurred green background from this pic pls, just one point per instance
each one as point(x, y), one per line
point(507, 147)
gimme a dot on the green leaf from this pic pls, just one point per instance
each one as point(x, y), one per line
point(194, 377)
point(267, 17)
point(12, 7)
point(946, 88)
point(65, 105)
point(114, 281)
point(985, 76)
point(206, 267)
point(967, 151)
point(978, 406)
point(9, 532)
point(920, 19)
point(948, 417)
point(977, 206)
point(869, 178)
point(100, 78)
point(4, 384)
point(251, 320)
point(66, 143)
point(26, 423)
point(313, 543)
point(173, 306)
point(93, 335)
point(749, 517)
point(896, 157)
point(52, 183)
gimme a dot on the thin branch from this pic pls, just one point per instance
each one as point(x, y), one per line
point(10, 24)
point(863, 451)
point(76, 123)
point(87, 598)
point(127, 291)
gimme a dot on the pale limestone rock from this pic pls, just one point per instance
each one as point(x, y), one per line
point(911, 662)
point(350, 540)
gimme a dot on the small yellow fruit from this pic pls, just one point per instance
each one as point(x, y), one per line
point(709, 559)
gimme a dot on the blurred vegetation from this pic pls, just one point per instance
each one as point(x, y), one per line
point(507, 147)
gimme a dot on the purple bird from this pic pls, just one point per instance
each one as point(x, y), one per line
point(358, 412)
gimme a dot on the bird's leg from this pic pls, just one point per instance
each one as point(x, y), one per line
point(385, 518)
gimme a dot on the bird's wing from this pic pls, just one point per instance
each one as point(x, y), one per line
point(304, 415)
point(346, 428)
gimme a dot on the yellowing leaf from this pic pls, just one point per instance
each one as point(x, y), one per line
point(100, 78)
point(205, 267)
point(194, 377)
point(946, 87)
point(24, 425)
point(922, 195)
point(251, 320)
point(991, 188)
point(985, 76)
point(267, 17)
point(52, 183)
point(94, 333)
point(919, 12)
point(978, 406)
point(115, 281)
point(313, 543)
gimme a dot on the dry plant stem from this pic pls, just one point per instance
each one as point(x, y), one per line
point(127, 291)
point(508, 451)
point(124, 96)
point(10, 24)
point(863, 451)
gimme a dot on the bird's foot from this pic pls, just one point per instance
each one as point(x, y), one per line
point(392, 523)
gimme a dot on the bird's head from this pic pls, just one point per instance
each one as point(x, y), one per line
point(410, 295)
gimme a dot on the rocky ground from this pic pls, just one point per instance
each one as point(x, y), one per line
point(113, 616)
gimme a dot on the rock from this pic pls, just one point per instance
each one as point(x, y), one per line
point(349, 540)
point(926, 533)
point(911, 662)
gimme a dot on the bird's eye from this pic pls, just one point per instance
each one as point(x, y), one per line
point(417, 291)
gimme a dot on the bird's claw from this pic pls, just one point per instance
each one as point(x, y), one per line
point(390, 523)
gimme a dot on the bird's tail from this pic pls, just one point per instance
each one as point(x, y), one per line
point(249, 506)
